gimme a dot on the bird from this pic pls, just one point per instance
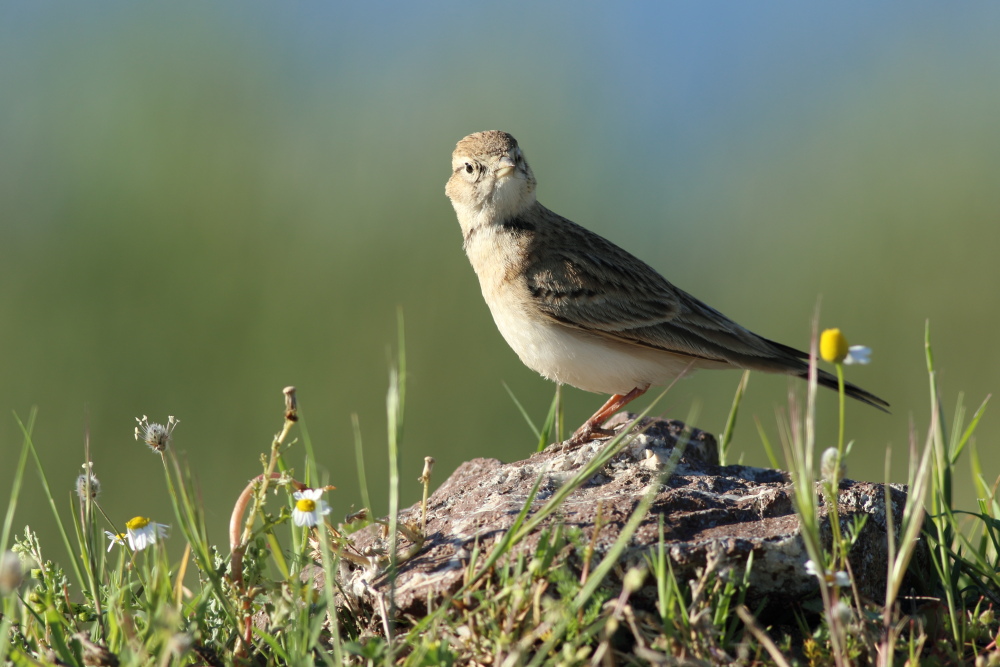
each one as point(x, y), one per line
point(578, 309)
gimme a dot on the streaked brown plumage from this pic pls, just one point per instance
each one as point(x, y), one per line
point(580, 310)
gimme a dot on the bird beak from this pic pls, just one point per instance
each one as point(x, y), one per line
point(505, 166)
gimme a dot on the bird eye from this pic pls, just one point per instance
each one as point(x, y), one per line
point(469, 168)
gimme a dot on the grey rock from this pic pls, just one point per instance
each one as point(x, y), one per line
point(708, 513)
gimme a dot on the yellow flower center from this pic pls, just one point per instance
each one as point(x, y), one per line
point(833, 346)
point(137, 523)
point(305, 505)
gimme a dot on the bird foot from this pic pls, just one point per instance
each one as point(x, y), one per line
point(591, 429)
point(585, 434)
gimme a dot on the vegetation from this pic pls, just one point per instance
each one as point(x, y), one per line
point(121, 600)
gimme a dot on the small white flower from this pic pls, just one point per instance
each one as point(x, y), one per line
point(118, 539)
point(310, 508)
point(858, 354)
point(142, 532)
point(839, 578)
point(157, 436)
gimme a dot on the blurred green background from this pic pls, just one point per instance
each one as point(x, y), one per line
point(201, 203)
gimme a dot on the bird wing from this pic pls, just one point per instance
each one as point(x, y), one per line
point(584, 281)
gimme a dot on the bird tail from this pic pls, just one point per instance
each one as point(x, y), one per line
point(852, 390)
point(828, 379)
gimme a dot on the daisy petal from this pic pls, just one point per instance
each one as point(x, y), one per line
point(858, 354)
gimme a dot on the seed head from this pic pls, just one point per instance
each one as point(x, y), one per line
point(831, 464)
point(291, 404)
point(87, 483)
point(11, 572)
point(157, 436)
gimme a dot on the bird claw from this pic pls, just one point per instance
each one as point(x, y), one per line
point(585, 434)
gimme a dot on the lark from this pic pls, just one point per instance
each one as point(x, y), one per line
point(578, 309)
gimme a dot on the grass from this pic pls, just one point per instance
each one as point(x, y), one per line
point(258, 603)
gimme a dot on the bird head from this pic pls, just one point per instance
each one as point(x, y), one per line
point(490, 178)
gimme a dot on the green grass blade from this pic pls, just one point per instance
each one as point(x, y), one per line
point(26, 431)
point(523, 411)
point(768, 448)
point(971, 428)
point(727, 434)
point(551, 425)
point(614, 553)
point(509, 538)
point(15, 491)
point(359, 457)
point(395, 402)
point(271, 641)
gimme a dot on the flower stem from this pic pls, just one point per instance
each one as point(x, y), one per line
point(840, 392)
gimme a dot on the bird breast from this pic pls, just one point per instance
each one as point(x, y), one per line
point(558, 352)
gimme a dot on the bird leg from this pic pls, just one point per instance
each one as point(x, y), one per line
point(591, 428)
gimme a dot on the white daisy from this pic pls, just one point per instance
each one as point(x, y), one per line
point(840, 578)
point(833, 347)
point(118, 539)
point(310, 508)
point(142, 532)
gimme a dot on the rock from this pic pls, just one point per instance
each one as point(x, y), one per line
point(708, 512)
